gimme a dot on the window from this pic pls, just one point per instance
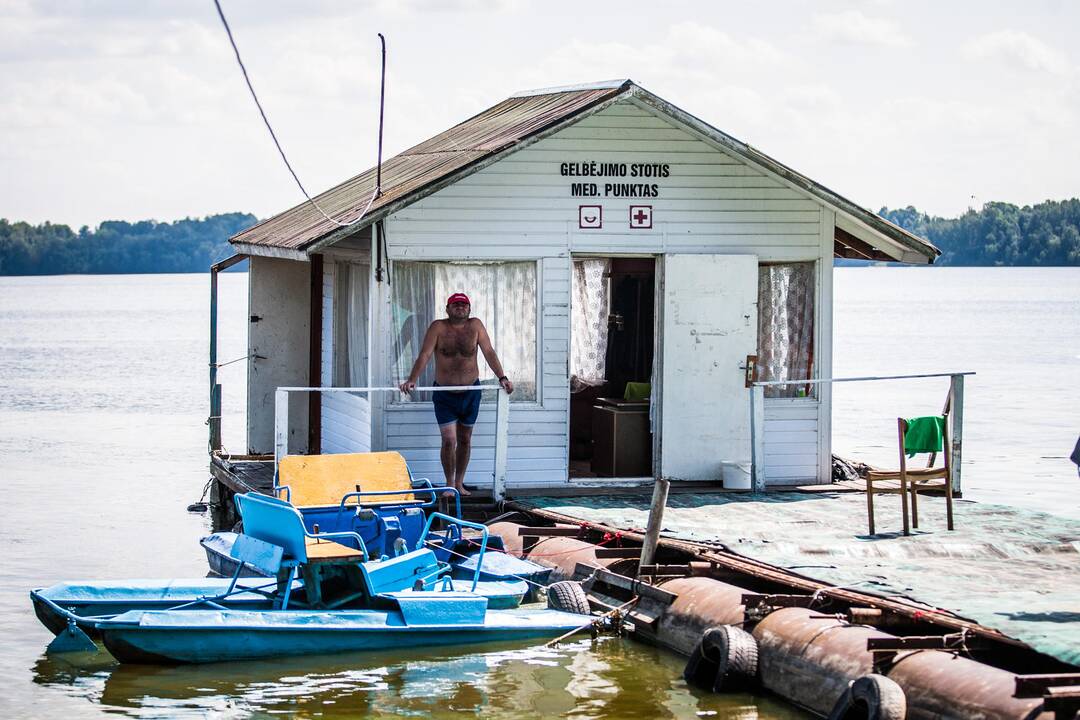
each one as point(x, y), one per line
point(503, 296)
point(351, 282)
point(786, 327)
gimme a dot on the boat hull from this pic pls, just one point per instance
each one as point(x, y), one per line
point(167, 638)
point(96, 597)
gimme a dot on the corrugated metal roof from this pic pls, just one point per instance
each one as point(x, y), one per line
point(448, 156)
point(493, 130)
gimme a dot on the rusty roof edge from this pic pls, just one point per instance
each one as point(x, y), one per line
point(271, 251)
point(621, 93)
point(875, 222)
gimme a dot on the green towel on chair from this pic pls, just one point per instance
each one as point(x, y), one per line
point(637, 391)
point(924, 435)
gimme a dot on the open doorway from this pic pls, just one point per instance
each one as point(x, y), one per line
point(611, 362)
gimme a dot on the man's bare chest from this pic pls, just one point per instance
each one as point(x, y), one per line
point(457, 343)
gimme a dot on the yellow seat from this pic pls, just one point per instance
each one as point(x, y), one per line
point(330, 551)
point(323, 480)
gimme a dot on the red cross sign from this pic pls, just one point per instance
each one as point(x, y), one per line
point(641, 217)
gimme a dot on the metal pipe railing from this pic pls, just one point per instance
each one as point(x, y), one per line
point(758, 468)
point(502, 422)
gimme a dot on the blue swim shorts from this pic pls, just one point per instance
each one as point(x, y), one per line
point(460, 407)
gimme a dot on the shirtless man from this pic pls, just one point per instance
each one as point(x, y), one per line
point(453, 342)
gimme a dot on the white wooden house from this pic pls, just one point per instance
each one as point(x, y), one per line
point(605, 236)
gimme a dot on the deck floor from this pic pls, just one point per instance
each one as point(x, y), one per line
point(1009, 569)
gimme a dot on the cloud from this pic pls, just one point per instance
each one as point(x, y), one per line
point(854, 28)
point(1018, 49)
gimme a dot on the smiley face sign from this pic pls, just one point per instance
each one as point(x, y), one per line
point(590, 217)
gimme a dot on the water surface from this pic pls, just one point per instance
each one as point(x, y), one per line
point(103, 444)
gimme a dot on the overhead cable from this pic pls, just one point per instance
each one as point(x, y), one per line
point(376, 191)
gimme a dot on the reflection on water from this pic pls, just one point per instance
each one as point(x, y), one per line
point(604, 678)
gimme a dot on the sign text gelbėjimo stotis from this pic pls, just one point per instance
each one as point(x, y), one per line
point(614, 170)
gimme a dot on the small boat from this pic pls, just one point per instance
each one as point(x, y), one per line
point(95, 598)
point(429, 619)
point(341, 600)
point(373, 495)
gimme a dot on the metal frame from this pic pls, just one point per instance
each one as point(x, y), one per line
point(502, 424)
point(757, 419)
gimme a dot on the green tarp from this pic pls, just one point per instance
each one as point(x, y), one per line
point(1009, 569)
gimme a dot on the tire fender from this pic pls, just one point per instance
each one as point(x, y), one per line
point(568, 596)
point(871, 697)
point(724, 660)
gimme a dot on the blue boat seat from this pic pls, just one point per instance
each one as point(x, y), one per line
point(277, 522)
point(401, 573)
point(444, 608)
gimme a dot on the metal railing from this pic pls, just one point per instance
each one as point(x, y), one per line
point(955, 403)
point(502, 422)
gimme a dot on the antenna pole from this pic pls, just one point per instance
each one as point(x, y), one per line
point(382, 102)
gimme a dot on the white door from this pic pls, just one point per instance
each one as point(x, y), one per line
point(709, 327)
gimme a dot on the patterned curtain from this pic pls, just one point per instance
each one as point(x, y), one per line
point(589, 320)
point(786, 327)
point(503, 298)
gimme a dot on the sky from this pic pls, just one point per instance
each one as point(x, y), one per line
point(137, 110)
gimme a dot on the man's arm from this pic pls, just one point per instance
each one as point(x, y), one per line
point(484, 341)
point(426, 349)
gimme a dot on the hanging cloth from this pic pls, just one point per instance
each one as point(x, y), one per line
point(924, 434)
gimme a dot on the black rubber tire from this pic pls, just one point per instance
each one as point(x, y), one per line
point(725, 660)
point(871, 697)
point(568, 596)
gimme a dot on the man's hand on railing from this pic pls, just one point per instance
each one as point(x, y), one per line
point(408, 386)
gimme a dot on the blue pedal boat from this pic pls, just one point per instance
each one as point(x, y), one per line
point(324, 597)
point(371, 494)
point(420, 619)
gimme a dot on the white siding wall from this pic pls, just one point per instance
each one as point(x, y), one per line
point(521, 208)
point(346, 419)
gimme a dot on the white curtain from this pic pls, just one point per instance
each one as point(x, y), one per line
point(352, 282)
point(786, 327)
point(589, 320)
point(503, 296)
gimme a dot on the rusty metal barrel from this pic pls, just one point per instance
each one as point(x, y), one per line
point(943, 685)
point(561, 553)
point(508, 531)
point(702, 603)
point(809, 658)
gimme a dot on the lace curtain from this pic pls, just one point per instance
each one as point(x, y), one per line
point(786, 327)
point(589, 320)
point(351, 325)
point(503, 298)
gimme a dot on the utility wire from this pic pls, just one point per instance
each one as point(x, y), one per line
point(374, 193)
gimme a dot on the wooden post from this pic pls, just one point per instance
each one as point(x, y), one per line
point(315, 339)
point(502, 427)
point(901, 427)
point(281, 425)
point(656, 521)
point(757, 437)
point(956, 418)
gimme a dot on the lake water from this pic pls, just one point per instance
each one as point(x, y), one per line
point(102, 446)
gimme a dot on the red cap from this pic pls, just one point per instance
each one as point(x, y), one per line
point(458, 298)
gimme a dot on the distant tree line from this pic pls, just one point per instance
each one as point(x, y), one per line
point(147, 246)
point(1000, 233)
